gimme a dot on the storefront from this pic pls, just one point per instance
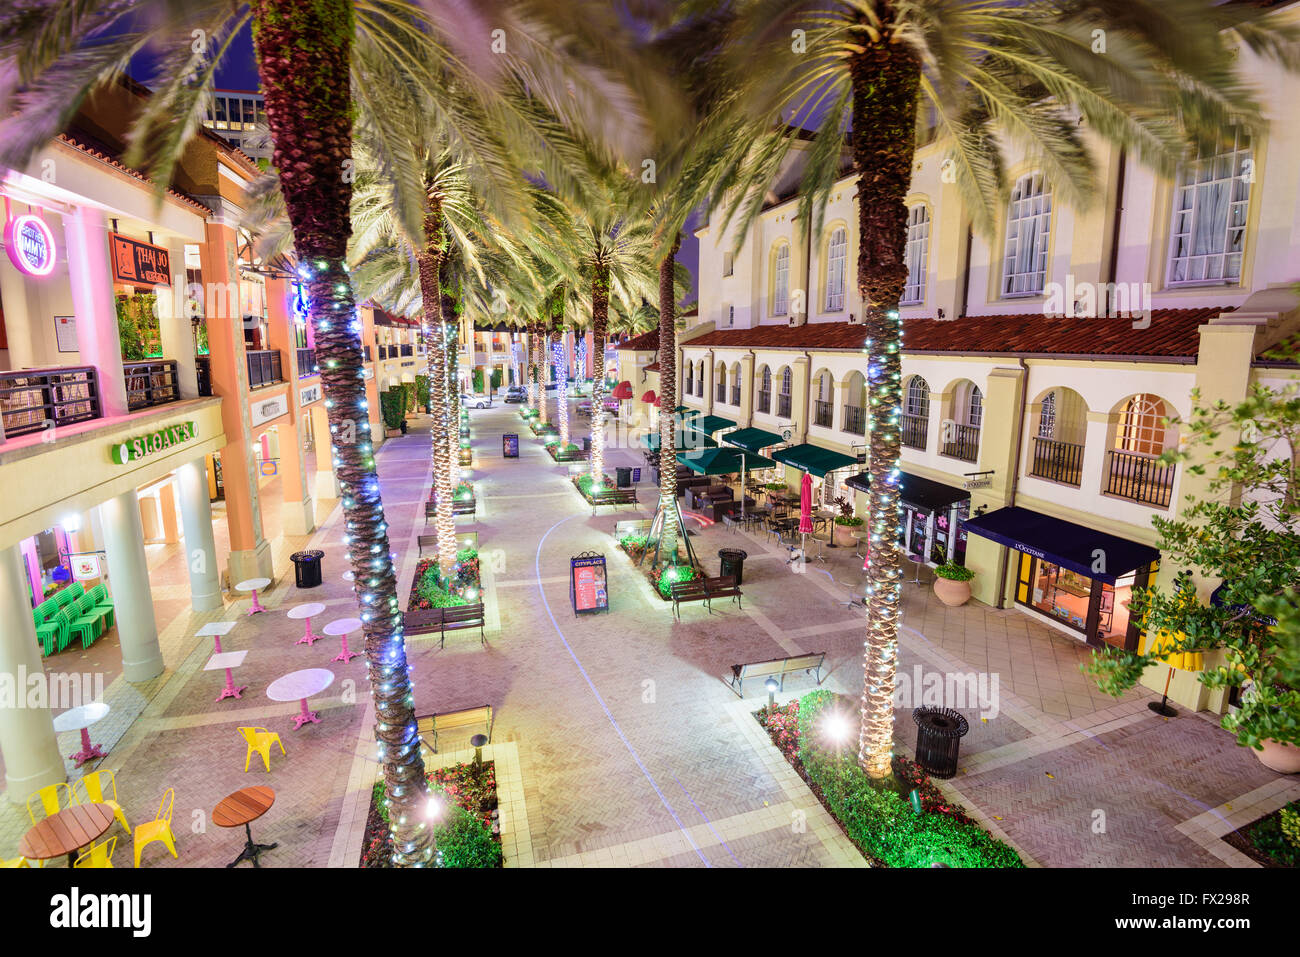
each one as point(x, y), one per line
point(1078, 578)
point(821, 464)
point(931, 532)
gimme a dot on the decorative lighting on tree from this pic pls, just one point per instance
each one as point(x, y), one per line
point(561, 391)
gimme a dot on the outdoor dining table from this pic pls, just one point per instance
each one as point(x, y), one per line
point(80, 719)
point(66, 832)
point(343, 627)
point(216, 629)
point(224, 662)
point(252, 585)
point(245, 805)
point(308, 611)
point(299, 686)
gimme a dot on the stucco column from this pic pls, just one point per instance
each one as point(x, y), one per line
point(18, 324)
point(997, 453)
point(174, 325)
point(801, 382)
point(326, 484)
point(373, 412)
point(746, 414)
point(90, 276)
point(710, 372)
point(196, 525)
point(27, 740)
point(128, 577)
point(297, 511)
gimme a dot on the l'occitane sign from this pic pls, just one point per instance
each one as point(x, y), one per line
point(144, 445)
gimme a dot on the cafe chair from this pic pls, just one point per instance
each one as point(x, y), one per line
point(52, 798)
point(14, 862)
point(98, 855)
point(260, 740)
point(159, 829)
point(93, 784)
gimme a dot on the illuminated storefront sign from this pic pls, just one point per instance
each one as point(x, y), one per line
point(309, 395)
point(138, 263)
point(259, 412)
point(145, 445)
point(30, 245)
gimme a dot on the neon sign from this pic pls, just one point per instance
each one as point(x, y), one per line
point(30, 245)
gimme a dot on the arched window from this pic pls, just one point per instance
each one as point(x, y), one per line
point(1047, 417)
point(699, 379)
point(763, 402)
point(690, 380)
point(1029, 226)
point(783, 399)
point(735, 383)
point(975, 407)
point(918, 397)
point(918, 242)
point(823, 408)
point(1141, 426)
point(781, 281)
point(720, 383)
point(837, 252)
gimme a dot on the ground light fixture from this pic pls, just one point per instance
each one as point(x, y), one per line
point(772, 686)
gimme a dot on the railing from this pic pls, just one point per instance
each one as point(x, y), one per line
point(915, 429)
point(1057, 461)
point(1139, 478)
point(783, 406)
point(264, 368)
point(203, 370)
point(961, 441)
point(366, 352)
point(764, 402)
point(307, 363)
point(406, 350)
point(720, 392)
point(855, 420)
point(735, 395)
point(150, 383)
point(699, 388)
point(33, 397)
point(823, 413)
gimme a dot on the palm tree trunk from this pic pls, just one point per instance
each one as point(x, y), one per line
point(668, 401)
point(599, 322)
point(545, 335)
point(429, 260)
point(450, 321)
point(886, 80)
point(561, 380)
point(304, 51)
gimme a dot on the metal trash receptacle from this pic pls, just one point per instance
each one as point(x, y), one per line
point(938, 739)
point(623, 476)
point(306, 568)
point(732, 563)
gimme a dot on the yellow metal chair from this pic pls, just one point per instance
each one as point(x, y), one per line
point(93, 784)
point(260, 740)
point(98, 855)
point(15, 862)
point(52, 798)
point(159, 829)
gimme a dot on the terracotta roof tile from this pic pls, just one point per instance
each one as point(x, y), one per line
point(135, 173)
point(814, 335)
point(652, 367)
point(646, 342)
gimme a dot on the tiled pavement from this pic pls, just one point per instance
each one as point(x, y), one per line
point(617, 742)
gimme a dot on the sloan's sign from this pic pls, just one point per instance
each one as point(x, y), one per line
point(145, 445)
point(259, 412)
point(139, 264)
point(30, 245)
point(308, 395)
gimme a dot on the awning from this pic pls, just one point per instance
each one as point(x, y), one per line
point(622, 391)
point(813, 459)
point(709, 424)
point(682, 441)
point(914, 490)
point(752, 440)
point(1087, 551)
point(685, 411)
point(1217, 600)
point(722, 461)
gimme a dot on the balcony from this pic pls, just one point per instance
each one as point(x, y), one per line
point(735, 395)
point(150, 383)
point(307, 363)
point(720, 393)
point(764, 402)
point(203, 369)
point(406, 350)
point(915, 428)
point(783, 406)
point(31, 398)
point(264, 368)
point(699, 389)
point(1139, 478)
point(961, 441)
point(823, 413)
point(855, 420)
point(1057, 461)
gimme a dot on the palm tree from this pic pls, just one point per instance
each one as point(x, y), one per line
point(870, 74)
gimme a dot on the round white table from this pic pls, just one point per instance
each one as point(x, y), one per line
point(299, 686)
point(252, 585)
point(80, 719)
point(308, 611)
point(349, 575)
point(343, 627)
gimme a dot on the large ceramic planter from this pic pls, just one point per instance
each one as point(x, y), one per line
point(952, 593)
point(844, 535)
point(1282, 758)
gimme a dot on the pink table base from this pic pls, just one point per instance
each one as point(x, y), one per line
point(256, 606)
point(345, 655)
point(88, 750)
point(230, 691)
point(307, 638)
point(305, 716)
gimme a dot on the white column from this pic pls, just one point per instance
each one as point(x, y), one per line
point(196, 526)
point(174, 324)
point(90, 275)
point(128, 577)
point(27, 740)
point(18, 325)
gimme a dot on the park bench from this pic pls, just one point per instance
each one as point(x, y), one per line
point(614, 496)
point(705, 590)
point(427, 541)
point(439, 621)
point(431, 724)
point(458, 507)
point(777, 668)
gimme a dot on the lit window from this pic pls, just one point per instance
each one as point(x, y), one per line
point(781, 281)
point(1047, 417)
point(1029, 226)
point(918, 241)
point(1208, 231)
point(918, 397)
point(837, 251)
point(975, 408)
point(1141, 425)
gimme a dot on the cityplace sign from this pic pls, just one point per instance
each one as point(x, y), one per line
point(143, 446)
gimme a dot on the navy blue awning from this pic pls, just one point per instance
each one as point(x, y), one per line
point(915, 490)
point(1087, 551)
point(1217, 600)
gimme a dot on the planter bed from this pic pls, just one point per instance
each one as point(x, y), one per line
point(428, 591)
point(634, 546)
point(1263, 841)
point(876, 816)
point(571, 454)
point(468, 833)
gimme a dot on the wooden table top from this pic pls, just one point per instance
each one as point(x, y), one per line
point(66, 832)
point(246, 804)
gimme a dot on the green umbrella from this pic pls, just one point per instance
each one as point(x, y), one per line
point(722, 462)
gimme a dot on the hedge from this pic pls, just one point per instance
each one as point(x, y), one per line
point(881, 822)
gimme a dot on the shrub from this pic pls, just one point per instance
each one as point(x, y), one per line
point(392, 405)
point(432, 590)
point(675, 574)
point(1289, 819)
point(463, 841)
point(848, 521)
point(953, 572)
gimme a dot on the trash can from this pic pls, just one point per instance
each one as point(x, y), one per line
point(938, 737)
point(732, 563)
point(623, 476)
point(586, 443)
point(306, 568)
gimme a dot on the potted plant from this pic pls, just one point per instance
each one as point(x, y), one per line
point(392, 404)
point(952, 584)
point(846, 523)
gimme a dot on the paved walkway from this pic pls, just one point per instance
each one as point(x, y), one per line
point(617, 741)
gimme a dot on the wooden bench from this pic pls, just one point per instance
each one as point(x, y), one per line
point(439, 621)
point(431, 724)
point(457, 508)
point(614, 496)
point(776, 668)
point(705, 590)
point(427, 541)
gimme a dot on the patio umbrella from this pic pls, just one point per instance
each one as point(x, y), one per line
point(650, 397)
point(1182, 660)
point(622, 391)
point(805, 510)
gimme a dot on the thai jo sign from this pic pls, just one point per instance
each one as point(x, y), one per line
point(309, 395)
point(259, 412)
point(145, 445)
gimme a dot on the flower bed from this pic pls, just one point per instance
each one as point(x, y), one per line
point(584, 486)
point(570, 453)
point(1266, 841)
point(430, 590)
point(878, 816)
point(465, 831)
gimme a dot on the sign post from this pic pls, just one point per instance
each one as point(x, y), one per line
point(588, 586)
point(510, 445)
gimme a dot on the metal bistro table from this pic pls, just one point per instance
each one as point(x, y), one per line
point(66, 832)
point(224, 662)
point(306, 611)
point(252, 585)
point(299, 686)
point(245, 805)
point(80, 719)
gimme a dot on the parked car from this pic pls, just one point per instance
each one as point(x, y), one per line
point(475, 400)
point(516, 393)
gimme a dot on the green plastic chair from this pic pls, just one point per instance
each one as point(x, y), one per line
point(88, 622)
point(69, 595)
point(48, 632)
point(65, 617)
point(45, 609)
point(104, 604)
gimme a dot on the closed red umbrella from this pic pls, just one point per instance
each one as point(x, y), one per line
point(659, 402)
point(622, 391)
point(650, 397)
point(805, 505)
